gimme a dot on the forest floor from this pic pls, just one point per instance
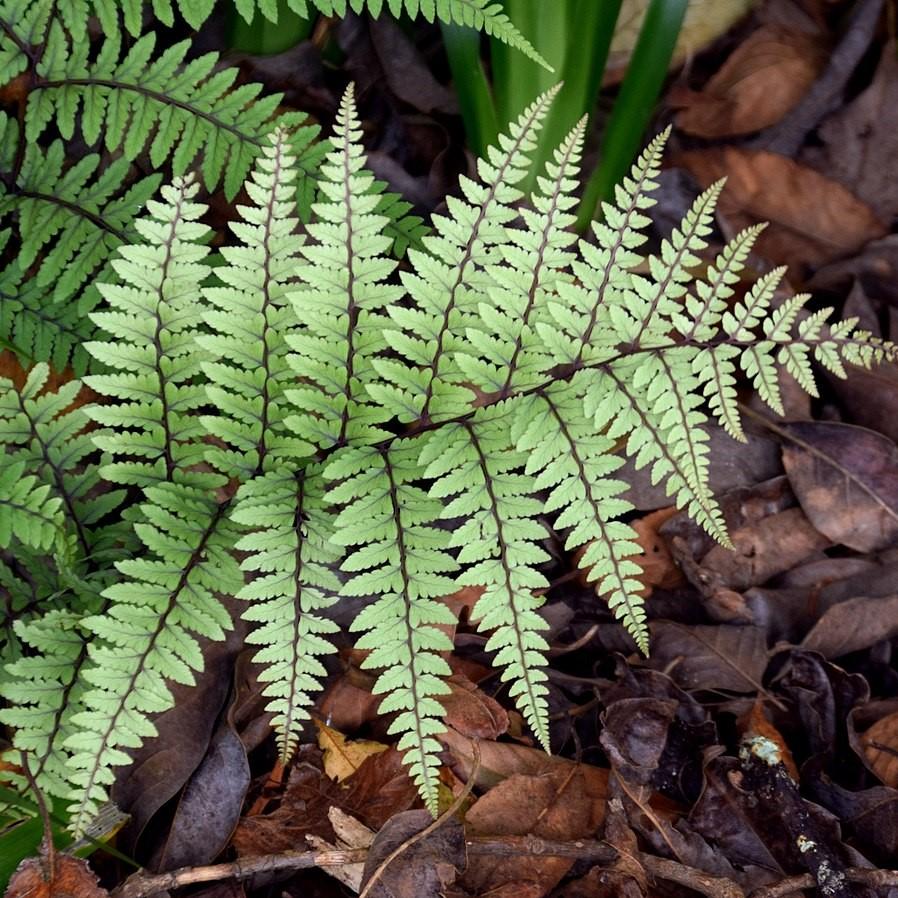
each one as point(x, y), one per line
point(755, 752)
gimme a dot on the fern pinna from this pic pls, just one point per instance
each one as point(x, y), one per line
point(347, 429)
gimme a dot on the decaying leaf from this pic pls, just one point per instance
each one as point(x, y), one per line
point(813, 219)
point(880, 746)
point(846, 479)
point(471, 712)
point(760, 81)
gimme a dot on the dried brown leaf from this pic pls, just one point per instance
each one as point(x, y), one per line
point(760, 81)
point(853, 625)
point(846, 479)
point(67, 876)
point(880, 744)
point(814, 219)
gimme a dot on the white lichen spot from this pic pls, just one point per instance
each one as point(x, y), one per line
point(763, 749)
point(829, 881)
point(805, 844)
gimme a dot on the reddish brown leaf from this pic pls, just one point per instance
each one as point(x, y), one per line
point(813, 218)
point(472, 712)
point(853, 625)
point(66, 876)
point(756, 723)
point(880, 744)
point(760, 81)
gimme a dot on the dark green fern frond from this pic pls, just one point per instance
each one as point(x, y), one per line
point(70, 218)
point(483, 15)
point(174, 108)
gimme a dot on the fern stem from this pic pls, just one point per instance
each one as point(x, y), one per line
point(96, 220)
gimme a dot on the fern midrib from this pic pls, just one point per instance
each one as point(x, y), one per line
point(503, 554)
point(297, 616)
point(407, 605)
point(168, 449)
point(537, 270)
point(93, 217)
point(498, 181)
point(610, 266)
point(267, 303)
point(156, 95)
point(594, 505)
point(192, 562)
point(352, 312)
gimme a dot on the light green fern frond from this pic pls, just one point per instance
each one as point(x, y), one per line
point(294, 561)
point(340, 331)
point(29, 512)
point(399, 556)
point(154, 321)
point(498, 543)
point(447, 283)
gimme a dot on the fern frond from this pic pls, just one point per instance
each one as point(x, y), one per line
point(498, 542)
point(24, 25)
point(134, 101)
point(249, 318)
point(154, 320)
point(447, 282)
point(295, 562)
point(398, 555)
point(574, 461)
point(343, 290)
point(71, 218)
point(511, 354)
point(149, 634)
point(29, 512)
point(41, 430)
point(482, 15)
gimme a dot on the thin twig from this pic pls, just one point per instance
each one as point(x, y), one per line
point(450, 812)
point(787, 136)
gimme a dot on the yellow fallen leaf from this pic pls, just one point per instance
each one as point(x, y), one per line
point(342, 757)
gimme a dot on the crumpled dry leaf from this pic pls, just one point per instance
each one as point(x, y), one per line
point(760, 81)
point(846, 479)
point(860, 140)
point(813, 219)
point(658, 566)
point(380, 788)
point(343, 757)
point(634, 735)
point(71, 877)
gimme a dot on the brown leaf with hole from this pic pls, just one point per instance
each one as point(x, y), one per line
point(846, 479)
point(880, 744)
point(760, 81)
point(67, 876)
point(813, 219)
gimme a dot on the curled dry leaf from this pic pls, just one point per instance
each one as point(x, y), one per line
point(846, 479)
point(756, 724)
point(658, 566)
point(880, 745)
point(760, 81)
point(813, 219)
